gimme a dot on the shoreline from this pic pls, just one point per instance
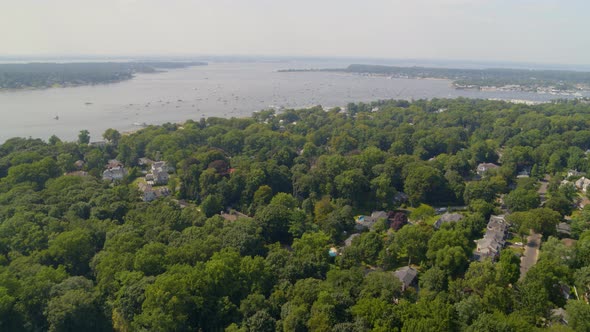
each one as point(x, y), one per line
point(541, 89)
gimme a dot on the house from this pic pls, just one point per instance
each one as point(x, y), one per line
point(407, 275)
point(159, 171)
point(348, 241)
point(114, 163)
point(160, 177)
point(159, 165)
point(400, 197)
point(116, 173)
point(79, 164)
point(559, 315)
point(484, 167)
point(573, 172)
point(447, 218)
point(363, 222)
point(232, 215)
point(149, 193)
point(493, 240)
point(582, 183)
point(564, 228)
point(144, 161)
point(524, 173)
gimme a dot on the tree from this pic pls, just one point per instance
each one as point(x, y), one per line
point(398, 221)
point(378, 313)
point(468, 310)
point(262, 197)
point(84, 137)
point(294, 317)
point(541, 220)
point(578, 313)
point(112, 136)
point(54, 140)
point(422, 212)
point(211, 205)
point(479, 190)
point(411, 242)
point(381, 285)
point(483, 207)
point(424, 184)
point(351, 184)
point(490, 322)
point(74, 310)
point(560, 204)
point(151, 259)
point(522, 200)
point(582, 281)
point(382, 190)
point(261, 321)
point(274, 221)
point(508, 267)
point(73, 249)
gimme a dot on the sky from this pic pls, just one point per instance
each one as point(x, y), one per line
point(530, 31)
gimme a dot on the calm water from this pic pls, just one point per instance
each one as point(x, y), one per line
point(220, 89)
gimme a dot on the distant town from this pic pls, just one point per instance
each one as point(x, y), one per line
point(556, 82)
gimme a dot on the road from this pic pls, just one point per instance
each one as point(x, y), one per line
point(543, 188)
point(531, 253)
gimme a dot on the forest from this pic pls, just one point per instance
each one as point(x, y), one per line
point(261, 227)
point(46, 75)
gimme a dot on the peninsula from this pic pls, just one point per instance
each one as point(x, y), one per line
point(48, 75)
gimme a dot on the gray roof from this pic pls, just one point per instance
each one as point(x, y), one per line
point(486, 166)
point(115, 173)
point(368, 221)
point(494, 238)
point(447, 217)
point(406, 275)
point(564, 227)
point(348, 241)
point(379, 215)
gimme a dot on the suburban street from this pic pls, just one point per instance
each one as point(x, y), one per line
point(543, 188)
point(533, 241)
point(531, 253)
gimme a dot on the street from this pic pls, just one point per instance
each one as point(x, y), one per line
point(531, 253)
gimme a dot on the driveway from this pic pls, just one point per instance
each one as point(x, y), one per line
point(531, 253)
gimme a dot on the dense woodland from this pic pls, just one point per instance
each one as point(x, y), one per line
point(46, 75)
point(81, 254)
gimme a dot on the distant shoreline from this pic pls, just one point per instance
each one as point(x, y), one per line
point(554, 82)
point(41, 76)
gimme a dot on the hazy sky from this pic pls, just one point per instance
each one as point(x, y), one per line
point(553, 31)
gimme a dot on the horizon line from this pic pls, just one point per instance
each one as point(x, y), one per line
point(73, 56)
